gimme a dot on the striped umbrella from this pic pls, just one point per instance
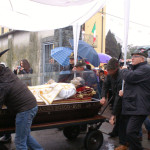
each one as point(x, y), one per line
point(61, 55)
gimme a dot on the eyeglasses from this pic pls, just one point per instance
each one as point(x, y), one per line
point(136, 56)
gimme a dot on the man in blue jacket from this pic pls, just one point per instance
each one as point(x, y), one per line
point(136, 96)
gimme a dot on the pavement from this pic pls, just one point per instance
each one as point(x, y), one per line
point(53, 139)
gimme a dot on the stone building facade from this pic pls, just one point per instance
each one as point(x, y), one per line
point(36, 48)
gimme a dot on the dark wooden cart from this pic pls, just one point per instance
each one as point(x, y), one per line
point(70, 117)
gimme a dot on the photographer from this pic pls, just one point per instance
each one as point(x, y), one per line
point(24, 68)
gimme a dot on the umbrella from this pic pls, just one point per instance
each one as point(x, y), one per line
point(88, 52)
point(1, 53)
point(104, 58)
point(61, 55)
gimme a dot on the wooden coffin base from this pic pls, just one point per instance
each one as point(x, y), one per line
point(56, 112)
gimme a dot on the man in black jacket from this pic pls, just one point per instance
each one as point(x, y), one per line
point(136, 96)
point(66, 74)
point(71, 61)
point(19, 99)
point(114, 81)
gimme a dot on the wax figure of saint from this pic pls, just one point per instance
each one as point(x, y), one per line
point(52, 91)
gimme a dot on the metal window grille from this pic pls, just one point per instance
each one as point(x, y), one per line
point(50, 64)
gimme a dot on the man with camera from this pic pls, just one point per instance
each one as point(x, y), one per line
point(136, 96)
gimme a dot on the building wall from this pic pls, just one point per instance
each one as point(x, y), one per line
point(100, 20)
point(62, 37)
point(3, 46)
point(24, 45)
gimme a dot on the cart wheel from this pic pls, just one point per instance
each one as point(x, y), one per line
point(93, 140)
point(71, 132)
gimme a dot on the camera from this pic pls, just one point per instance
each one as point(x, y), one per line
point(19, 67)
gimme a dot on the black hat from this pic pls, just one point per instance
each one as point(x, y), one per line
point(121, 64)
point(141, 51)
point(113, 64)
point(101, 71)
point(1, 53)
point(72, 55)
point(80, 63)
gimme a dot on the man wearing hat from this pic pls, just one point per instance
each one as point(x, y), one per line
point(80, 66)
point(66, 74)
point(71, 61)
point(136, 96)
point(114, 81)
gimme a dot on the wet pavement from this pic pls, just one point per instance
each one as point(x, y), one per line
point(53, 139)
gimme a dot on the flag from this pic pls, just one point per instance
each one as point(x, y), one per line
point(94, 32)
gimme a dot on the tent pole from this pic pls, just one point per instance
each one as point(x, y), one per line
point(76, 33)
point(126, 30)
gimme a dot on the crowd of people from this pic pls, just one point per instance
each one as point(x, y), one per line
point(129, 96)
point(131, 107)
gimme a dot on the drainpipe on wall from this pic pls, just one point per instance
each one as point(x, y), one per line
point(60, 37)
point(60, 40)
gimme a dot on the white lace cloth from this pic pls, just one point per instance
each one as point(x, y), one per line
point(55, 91)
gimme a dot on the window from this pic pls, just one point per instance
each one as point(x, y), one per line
point(50, 65)
point(48, 49)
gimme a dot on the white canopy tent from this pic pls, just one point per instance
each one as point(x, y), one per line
point(34, 16)
point(38, 15)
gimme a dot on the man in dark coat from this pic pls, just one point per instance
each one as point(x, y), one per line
point(66, 74)
point(136, 96)
point(114, 81)
point(71, 61)
point(18, 99)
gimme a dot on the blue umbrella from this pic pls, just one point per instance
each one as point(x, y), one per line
point(61, 55)
point(88, 52)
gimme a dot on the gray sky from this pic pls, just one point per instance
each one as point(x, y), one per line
point(139, 28)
